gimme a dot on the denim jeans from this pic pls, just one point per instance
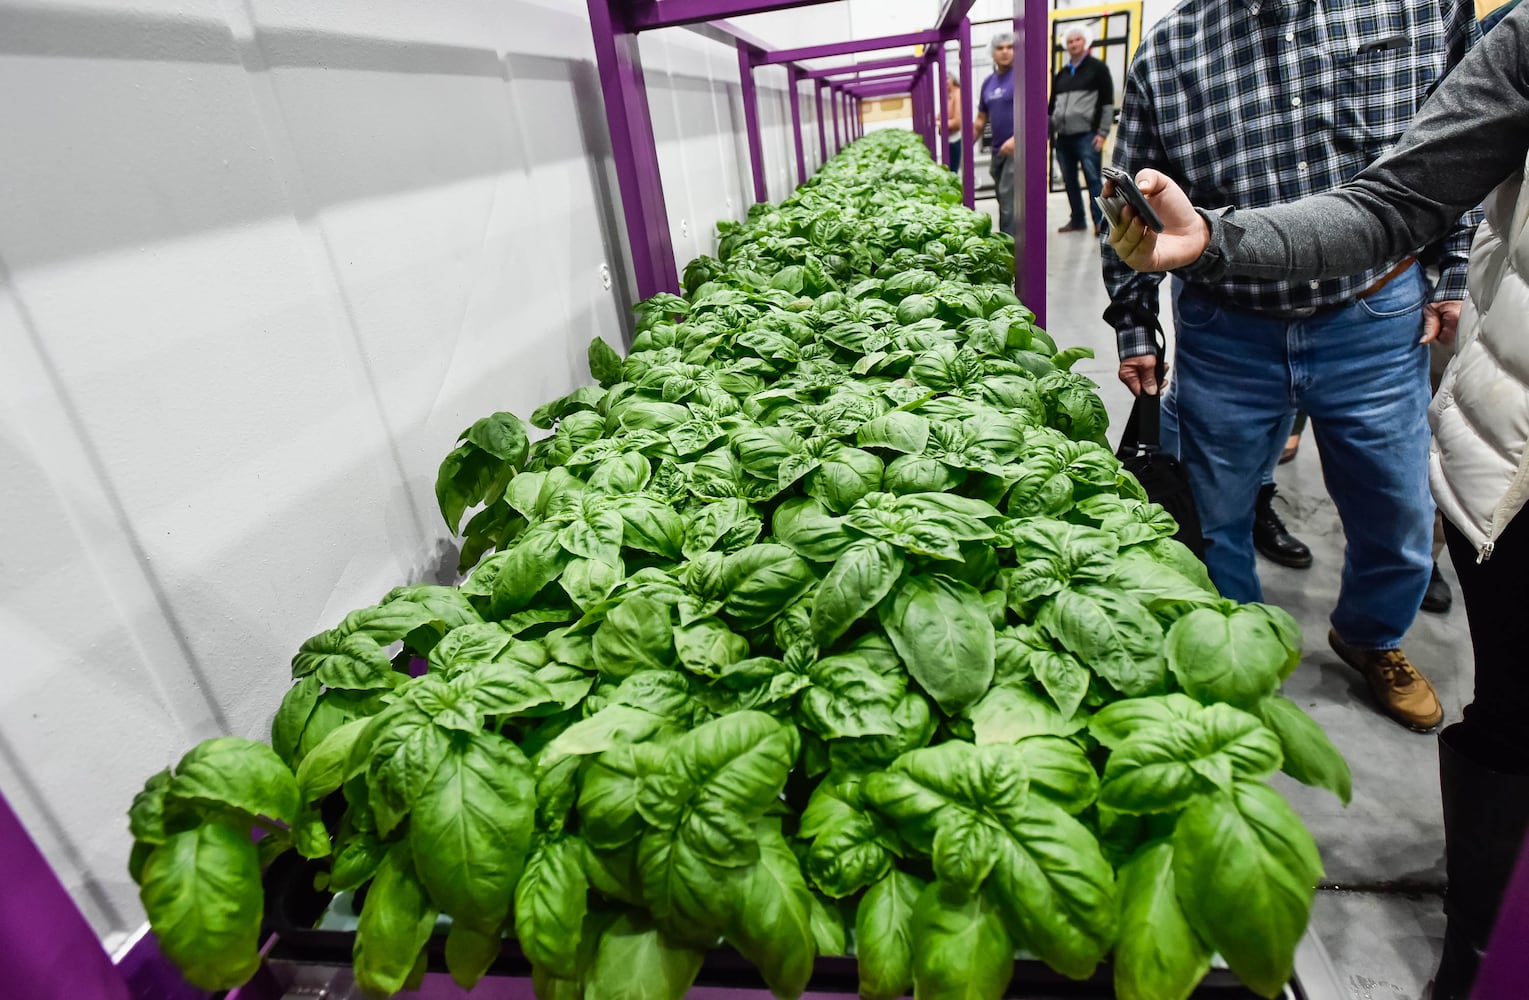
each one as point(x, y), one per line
point(1002, 169)
point(955, 155)
point(1074, 151)
point(1361, 374)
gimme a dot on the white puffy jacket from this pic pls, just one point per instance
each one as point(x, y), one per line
point(1479, 463)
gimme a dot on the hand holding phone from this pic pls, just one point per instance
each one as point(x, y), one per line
point(1127, 193)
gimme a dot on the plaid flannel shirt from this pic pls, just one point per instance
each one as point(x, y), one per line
point(1259, 102)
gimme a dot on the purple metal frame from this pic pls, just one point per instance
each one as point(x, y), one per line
point(794, 79)
point(888, 63)
point(51, 948)
point(1032, 52)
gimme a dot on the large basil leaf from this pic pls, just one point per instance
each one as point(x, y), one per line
point(941, 630)
point(1161, 768)
point(240, 774)
point(761, 581)
point(772, 926)
point(636, 962)
point(1110, 631)
point(1246, 872)
point(201, 889)
point(859, 579)
point(551, 900)
point(1310, 756)
point(961, 950)
point(1158, 956)
point(884, 936)
point(471, 830)
point(1233, 656)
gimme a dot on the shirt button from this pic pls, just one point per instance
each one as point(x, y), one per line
point(1289, 36)
point(1301, 166)
point(1295, 102)
point(1315, 284)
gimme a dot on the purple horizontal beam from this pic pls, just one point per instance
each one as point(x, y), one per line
point(737, 33)
point(856, 86)
point(849, 48)
point(883, 90)
point(645, 15)
point(862, 67)
point(952, 13)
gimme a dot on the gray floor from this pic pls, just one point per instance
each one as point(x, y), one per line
point(1384, 937)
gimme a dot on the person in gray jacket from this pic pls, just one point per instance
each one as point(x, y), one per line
point(1082, 109)
point(1470, 141)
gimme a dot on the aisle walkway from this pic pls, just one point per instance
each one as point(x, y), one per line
point(1381, 920)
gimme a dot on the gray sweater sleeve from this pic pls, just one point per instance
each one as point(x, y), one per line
point(1469, 137)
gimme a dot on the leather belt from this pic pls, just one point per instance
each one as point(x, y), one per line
point(1402, 267)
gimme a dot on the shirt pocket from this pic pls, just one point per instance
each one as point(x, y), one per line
point(1383, 71)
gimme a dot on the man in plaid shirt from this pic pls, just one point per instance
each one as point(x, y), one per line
point(1259, 102)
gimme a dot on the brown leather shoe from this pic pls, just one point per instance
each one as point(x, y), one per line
point(1403, 692)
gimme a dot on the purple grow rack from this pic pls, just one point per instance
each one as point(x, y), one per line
point(616, 24)
point(51, 948)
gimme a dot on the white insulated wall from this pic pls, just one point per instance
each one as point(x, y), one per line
point(260, 262)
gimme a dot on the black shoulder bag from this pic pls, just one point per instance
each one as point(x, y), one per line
point(1160, 474)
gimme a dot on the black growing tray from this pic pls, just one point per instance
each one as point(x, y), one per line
point(293, 906)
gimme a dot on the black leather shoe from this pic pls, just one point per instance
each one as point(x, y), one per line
point(1270, 537)
point(1438, 598)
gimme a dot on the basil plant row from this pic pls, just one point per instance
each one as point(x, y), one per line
point(824, 624)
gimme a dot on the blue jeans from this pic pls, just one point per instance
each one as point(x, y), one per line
point(1074, 151)
point(1360, 373)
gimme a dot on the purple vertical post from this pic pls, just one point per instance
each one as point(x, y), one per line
point(751, 120)
point(859, 118)
point(50, 950)
point(833, 101)
point(968, 111)
point(1032, 55)
point(822, 126)
point(633, 149)
point(793, 78)
point(942, 89)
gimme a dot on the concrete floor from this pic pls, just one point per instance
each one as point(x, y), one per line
point(1384, 936)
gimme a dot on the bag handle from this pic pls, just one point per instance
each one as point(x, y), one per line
point(1144, 428)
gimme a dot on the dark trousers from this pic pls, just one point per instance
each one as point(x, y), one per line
point(1495, 721)
point(955, 156)
point(1074, 151)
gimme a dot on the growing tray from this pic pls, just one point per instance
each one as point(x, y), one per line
point(307, 960)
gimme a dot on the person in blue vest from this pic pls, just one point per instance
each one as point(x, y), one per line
point(996, 108)
point(1081, 110)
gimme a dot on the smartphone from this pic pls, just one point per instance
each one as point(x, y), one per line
point(1127, 193)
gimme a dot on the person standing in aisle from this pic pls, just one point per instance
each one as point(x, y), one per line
point(1252, 103)
point(1470, 142)
point(1082, 110)
point(996, 107)
point(953, 116)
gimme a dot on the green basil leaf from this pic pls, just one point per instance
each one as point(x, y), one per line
point(941, 630)
point(1310, 756)
point(201, 889)
point(761, 581)
point(961, 950)
point(1158, 955)
point(884, 936)
point(1112, 633)
point(537, 559)
point(858, 581)
point(471, 829)
point(292, 716)
point(804, 525)
point(1246, 872)
point(636, 962)
point(1233, 656)
point(551, 901)
point(1160, 769)
point(240, 774)
point(772, 926)
point(395, 924)
point(898, 431)
point(636, 635)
